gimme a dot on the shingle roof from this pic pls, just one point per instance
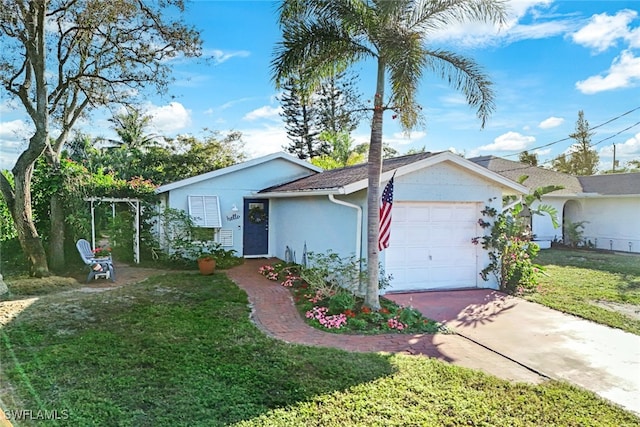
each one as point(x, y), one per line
point(336, 178)
point(606, 185)
point(537, 177)
point(612, 184)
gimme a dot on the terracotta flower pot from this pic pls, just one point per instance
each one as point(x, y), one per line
point(206, 266)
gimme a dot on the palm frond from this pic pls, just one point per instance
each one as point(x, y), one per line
point(465, 75)
point(312, 50)
point(431, 15)
point(406, 61)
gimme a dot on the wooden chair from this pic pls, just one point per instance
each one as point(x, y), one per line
point(99, 267)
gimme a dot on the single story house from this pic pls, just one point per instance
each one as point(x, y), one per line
point(608, 205)
point(277, 204)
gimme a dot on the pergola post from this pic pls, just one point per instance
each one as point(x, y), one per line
point(93, 225)
point(135, 204)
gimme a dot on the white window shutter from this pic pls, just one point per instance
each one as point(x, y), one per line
point(205, 211)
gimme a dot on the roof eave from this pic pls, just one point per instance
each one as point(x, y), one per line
point(233, 168)
point(299, 193)
point(439, 158)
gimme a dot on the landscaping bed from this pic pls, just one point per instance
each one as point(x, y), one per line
point(325, 304)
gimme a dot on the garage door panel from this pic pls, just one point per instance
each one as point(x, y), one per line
point(467, 214)
point(417, 214)
point(444, 257)
point(399, 235)
point(399, 214)
point(431, 246)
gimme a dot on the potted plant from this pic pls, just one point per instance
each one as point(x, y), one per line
point(206, 264)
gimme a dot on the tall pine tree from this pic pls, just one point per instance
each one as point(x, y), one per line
point(334, 106)
point(582, 159)
point(301, 118)
point(339, 104)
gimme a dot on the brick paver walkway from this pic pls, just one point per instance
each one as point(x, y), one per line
point(274, 312)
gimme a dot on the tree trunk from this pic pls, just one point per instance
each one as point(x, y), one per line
point(56, 238)
point(18, 200)
point(372, 299)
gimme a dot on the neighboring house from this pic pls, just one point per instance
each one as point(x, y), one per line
point(438, 200)
point(608, 205)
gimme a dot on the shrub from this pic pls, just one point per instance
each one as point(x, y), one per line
point(511, 251)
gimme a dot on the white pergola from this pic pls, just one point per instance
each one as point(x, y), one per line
point(134, 204)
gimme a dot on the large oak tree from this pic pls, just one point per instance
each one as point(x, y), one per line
point(62, 58)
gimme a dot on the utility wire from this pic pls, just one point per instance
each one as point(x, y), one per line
point(595, 127)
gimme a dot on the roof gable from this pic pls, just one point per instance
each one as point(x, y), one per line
point(354, 178)
point(234, 168)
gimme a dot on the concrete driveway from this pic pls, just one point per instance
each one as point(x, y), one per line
point(559, 346)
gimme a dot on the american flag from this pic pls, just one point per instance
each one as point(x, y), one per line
point(385, 215)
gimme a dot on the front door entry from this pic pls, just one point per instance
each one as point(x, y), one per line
point(256, 227)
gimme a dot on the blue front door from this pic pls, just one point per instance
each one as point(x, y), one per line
point(256, 227)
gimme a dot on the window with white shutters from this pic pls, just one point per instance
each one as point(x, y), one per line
point(205, 211)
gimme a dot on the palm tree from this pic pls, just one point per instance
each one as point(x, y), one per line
point(320, 35)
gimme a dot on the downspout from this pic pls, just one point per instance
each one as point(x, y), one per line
point(358, 225)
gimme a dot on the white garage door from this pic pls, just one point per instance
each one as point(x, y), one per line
point(430, 246)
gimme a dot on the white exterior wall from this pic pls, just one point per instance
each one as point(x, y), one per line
point(612, 222)
point(233, 188)
point(542, 226)
point(315, 221)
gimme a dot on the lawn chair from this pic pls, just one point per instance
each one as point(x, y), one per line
point(99, 267)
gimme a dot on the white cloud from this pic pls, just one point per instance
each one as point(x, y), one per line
point(624, 72)
point(14, 137)
point(603, 31)
point(265, 140)
point(627, 150)
point(509, 141)
point(169, 118)
point(400, 138)
point(543, 25)
point(220, 56)
point(266, 112)
point(551, 122)
point(543, 152)
point(634, 38)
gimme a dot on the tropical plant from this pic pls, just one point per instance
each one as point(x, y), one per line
point(573, 233)
point(510, 249)
point(322, 35)
point(535, 196)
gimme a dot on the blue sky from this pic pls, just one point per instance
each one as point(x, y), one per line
point(552, 59)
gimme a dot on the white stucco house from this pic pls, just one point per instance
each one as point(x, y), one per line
point(609, 204)
point(267, 205)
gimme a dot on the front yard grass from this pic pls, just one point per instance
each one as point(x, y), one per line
point(602, 287)
point(180, 350)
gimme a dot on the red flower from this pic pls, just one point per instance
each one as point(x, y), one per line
point(365, 310)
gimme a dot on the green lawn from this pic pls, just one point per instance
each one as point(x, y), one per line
point(591, 284)
point(179, 350)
